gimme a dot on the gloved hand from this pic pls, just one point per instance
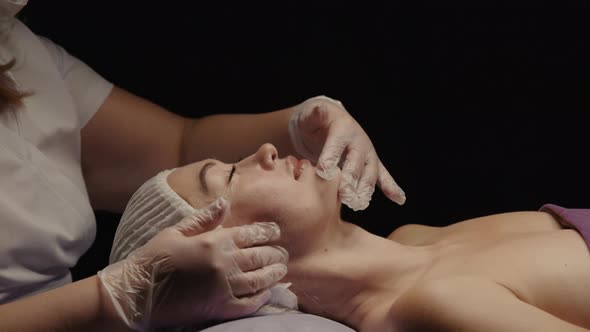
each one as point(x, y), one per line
point(194, 272)
point(322, 131)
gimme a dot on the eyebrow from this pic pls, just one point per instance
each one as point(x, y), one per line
point(202, 175)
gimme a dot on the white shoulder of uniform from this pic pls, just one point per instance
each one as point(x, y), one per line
point(87, 88)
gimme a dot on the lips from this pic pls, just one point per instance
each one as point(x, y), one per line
point(298, 166)
point(297, 172)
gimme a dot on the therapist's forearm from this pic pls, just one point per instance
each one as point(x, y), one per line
point(79, 306)
point(229, 137)
point(131, 139)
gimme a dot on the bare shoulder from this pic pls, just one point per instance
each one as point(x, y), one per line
point(497, 224)
point(414, 234)
point(502, 224)
point(443, 304)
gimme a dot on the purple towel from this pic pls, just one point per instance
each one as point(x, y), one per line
point(578, 219)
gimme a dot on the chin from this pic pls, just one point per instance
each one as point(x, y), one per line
point(329, 187)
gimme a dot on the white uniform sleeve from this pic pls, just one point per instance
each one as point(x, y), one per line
point(88, 88)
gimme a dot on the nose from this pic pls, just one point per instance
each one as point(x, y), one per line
point(266, 156)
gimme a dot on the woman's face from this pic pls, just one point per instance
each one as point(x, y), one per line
point(263, 188)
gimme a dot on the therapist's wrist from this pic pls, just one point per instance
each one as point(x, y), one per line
point(284, 142)
point(109, 318)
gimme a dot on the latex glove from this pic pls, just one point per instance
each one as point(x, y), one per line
point(324, 132)
point(191, 273)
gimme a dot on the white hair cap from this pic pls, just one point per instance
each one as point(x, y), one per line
point(153, 207)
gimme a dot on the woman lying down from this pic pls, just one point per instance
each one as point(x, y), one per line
point(521, 271)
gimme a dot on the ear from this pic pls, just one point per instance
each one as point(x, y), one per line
point(204, 219)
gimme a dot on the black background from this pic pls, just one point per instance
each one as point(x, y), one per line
point(475, 110)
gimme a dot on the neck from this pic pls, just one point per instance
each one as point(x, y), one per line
point(350, 271)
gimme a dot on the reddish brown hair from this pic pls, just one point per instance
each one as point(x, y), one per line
point(10, 96)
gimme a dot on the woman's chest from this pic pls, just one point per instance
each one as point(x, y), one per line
point(547, 269)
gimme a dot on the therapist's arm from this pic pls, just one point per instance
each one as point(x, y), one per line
point(80, 306)
point(130, 139)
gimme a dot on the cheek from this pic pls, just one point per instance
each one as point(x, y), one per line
point(262, 198)
point(274, 199)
